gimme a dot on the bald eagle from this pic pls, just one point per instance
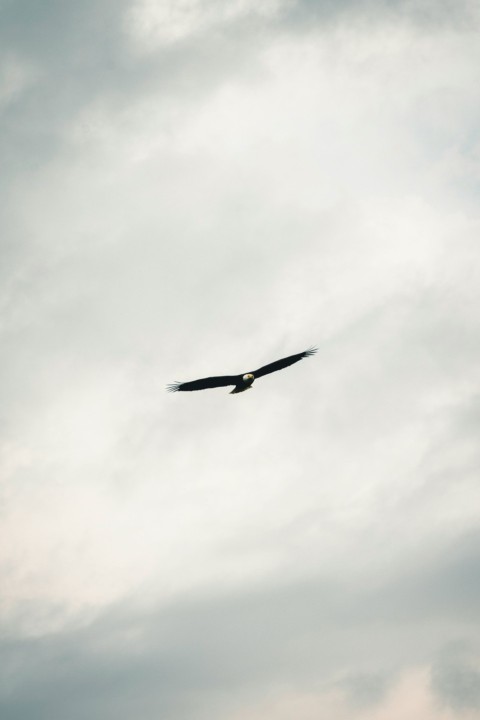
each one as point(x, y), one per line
point(242, 382)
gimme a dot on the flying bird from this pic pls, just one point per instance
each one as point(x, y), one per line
point(241, 382)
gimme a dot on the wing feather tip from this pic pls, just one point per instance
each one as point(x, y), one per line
point(173, 387)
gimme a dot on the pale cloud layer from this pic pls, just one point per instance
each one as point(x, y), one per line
point(154, 24)
point(192, 188)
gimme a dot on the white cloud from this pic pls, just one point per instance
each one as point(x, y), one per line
point(411, 697)
point(339, 243)
point(155, 23)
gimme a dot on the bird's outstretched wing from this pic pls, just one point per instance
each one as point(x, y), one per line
point(204, 383)
point(283, 363)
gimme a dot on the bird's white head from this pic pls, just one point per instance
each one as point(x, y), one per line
point(248, 378)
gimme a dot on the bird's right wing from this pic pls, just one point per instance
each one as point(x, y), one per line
point(204, 383)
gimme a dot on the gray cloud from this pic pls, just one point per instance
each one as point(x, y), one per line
point(79, 54)
point(179, 660)
point(456, 677)
point(366, 690)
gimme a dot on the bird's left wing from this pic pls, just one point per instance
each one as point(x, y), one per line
point(283, 363)
point(204, 383)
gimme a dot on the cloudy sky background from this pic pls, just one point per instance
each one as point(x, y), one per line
point(199, 187)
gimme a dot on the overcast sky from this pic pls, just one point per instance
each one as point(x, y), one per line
point(197, 187)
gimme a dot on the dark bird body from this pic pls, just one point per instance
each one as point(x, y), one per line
point(241, 382)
